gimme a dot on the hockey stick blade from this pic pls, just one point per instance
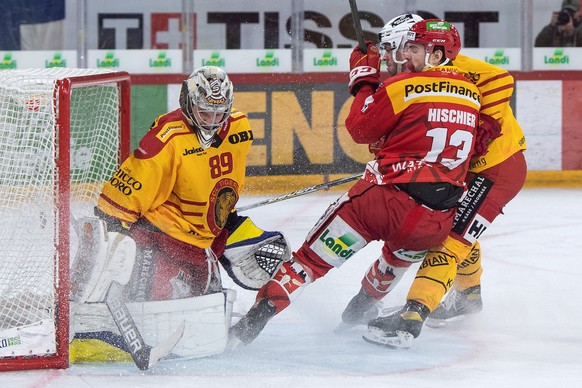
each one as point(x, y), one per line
point(298, 193)
point(144, 356)
point(358, 26)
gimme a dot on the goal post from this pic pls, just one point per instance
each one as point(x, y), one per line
point(63, 132)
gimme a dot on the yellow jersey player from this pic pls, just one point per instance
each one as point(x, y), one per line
point(174, 199)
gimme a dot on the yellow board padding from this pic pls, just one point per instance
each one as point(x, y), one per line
point(94, 350)
point(561, 178)
point(281, 184)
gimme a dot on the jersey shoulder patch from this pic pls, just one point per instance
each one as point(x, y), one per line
point(164, 128)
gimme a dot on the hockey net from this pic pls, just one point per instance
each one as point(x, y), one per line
point(62, 134)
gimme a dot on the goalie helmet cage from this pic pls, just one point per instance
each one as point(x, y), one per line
point(63, 132)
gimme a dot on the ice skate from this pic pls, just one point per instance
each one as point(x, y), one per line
point(456, 306)
point(397, 330)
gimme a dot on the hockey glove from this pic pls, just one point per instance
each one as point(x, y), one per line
point(487, 130)
point(364, 68)
point(252, 255)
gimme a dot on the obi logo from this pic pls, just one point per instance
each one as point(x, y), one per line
point(215, 60)
point(109, 61)
point(7, 62)
point(340, 246)
point(161, 61)
point(326, 60)
point(269, 60)
point(498, 58)
point(558, 58)
point(57, 61)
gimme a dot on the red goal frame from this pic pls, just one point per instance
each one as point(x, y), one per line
point(62, 193)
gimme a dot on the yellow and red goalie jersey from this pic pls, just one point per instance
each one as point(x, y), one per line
point(171, 181)
point(496, 86)
point(422, 126)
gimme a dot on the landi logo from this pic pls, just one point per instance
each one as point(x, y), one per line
point(326, 60)
point(10, 341)
point(161, 61)
point(269, 60)
point(57, 61)
point(215, 60)
point(339, 246)
point(558, 58)
point(109, 61)
point(7, 62)
point(498, 58)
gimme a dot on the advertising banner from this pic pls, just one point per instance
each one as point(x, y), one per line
point(137, 61)
point(245, 61)
point(556, 58)
point(40, 59)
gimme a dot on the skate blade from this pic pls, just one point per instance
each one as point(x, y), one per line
point(402, 340)
point(441, 323)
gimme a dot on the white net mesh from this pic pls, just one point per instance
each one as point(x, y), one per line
point(28, 178)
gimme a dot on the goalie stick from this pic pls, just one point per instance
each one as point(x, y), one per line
point(358, 26)
point(298, 193)
point(144, 356)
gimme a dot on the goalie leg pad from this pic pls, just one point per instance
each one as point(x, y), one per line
point(207, 318)
point(102, 257)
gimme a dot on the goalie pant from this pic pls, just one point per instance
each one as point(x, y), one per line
point(167, 268)
point(367, 212)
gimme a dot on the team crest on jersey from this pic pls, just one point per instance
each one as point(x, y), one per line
point(223, 198)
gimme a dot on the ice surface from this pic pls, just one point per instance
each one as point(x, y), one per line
point(528, 334)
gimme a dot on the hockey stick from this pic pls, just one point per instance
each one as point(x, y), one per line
point(358, 26)
point(298, 193)
point(143, 355)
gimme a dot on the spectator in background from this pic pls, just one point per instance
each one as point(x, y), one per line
point(564, 29)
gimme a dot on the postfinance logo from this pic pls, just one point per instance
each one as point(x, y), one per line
point(558, 58)
point(341, 245)
point(215, 60)
point(498, 58)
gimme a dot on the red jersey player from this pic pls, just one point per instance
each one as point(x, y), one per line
point(423, 124)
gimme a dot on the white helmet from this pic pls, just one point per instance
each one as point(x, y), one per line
point(394, 31)
point(206, 99)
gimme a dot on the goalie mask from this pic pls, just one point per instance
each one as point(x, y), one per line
point(206, 100)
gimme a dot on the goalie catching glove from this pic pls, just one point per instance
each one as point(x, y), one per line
point(252, 256)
